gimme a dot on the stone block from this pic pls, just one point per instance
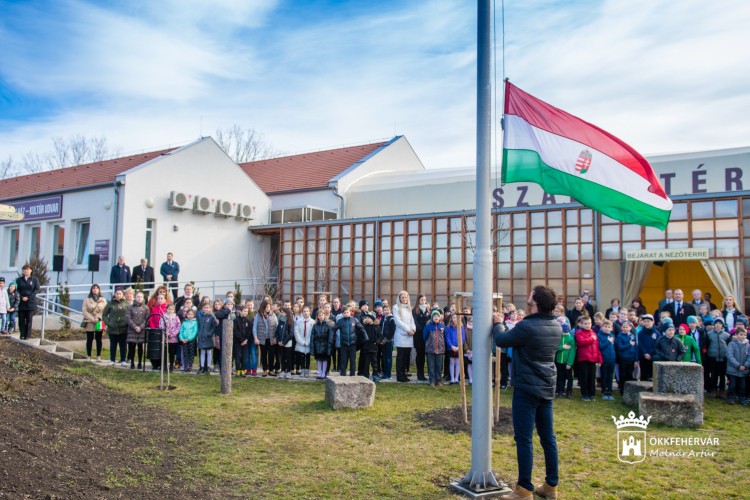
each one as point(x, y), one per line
point(349, 392)
point(632, 389)
point(673, 377)
point(677, 410)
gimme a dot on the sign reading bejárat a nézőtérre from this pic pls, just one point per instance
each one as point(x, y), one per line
point(668, 254)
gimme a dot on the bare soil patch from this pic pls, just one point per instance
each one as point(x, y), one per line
point(61, 335)
point(65, 435)
point(451, 420)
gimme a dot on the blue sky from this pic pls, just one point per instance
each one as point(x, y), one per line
point(664, 76)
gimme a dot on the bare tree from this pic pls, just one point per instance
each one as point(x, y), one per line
point(245, 145)
point(497, 234)
point(75, 150)
point(265, 278)
point(323, 278)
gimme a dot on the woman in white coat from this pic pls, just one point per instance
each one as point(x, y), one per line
point(403, 339)
point(303, 336)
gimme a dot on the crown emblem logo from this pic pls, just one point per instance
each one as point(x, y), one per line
point(631, 421)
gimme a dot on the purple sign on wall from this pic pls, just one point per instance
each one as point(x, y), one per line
point(48, 207)
point(101, 248)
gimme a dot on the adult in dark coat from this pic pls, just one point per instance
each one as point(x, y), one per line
point(534, 341)
point(637, 304)
point(421, 314)
point(188, 293)
point(679, 310)
point(145, 274)
point(668, 299)
point(577, 312)
point(170, 271)
point(119, 274)
point(27, 286)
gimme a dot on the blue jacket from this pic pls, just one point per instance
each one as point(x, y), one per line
point(646, 341)
point(173, 270)
point(626, 351)
point(451, 337)
point(606, 347)
point(118, 275)
point(348, 329)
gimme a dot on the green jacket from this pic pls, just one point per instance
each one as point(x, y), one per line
point(566, 356)
point(114, 316)
point(691, 348)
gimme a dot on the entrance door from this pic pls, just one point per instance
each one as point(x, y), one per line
point(687, 275)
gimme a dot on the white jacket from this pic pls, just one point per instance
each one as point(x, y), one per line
point(303, 335)
point(404, 324)
point(4, 301)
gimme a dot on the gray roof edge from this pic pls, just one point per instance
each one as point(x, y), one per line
point(356, 164)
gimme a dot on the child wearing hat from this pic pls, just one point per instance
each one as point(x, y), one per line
point(692, 351)
point(717, 341)
point(564, 359)
point(668, 347)
point(434, 339)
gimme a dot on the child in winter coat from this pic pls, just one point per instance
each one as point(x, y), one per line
point(646, 342)
point(285, 339)
point(692, 351)
point(242, 337)
point(668, 347)
point(172, 323)
point(347, 330)
point(606, 338)
point(135, 317)
point(587, 351)
point(322, 343)
point(160, 308)
point(451, 341)
point(738, 365)
point(627, 350)
point(564, 359)
point(188, 333)
point(303, 334)
point(205, 337)
point(717, 358)
point(434, 340)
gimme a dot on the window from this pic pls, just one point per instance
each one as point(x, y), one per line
point(150, 242)
point(82, 242)
point(35, 236)
point(13, 249)
point(58, 239)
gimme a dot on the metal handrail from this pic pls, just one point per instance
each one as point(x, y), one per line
point(59, 305)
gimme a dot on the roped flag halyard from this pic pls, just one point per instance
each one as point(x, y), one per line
point(568, 156)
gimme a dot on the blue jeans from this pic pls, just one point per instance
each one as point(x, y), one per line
point(387, 351)
point(527, 411)
point(434, 365)
point(11, 321)
point(4, 321)
point(251, 360)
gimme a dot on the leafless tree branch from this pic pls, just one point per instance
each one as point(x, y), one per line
point(245, 145)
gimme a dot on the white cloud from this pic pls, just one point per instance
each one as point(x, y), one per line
point(663, 76)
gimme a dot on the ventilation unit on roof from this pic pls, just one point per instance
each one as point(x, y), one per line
point(246, 212)
point(204, 205)
point(225, 208)
point(181, 201)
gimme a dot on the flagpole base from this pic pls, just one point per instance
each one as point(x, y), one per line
point(481, 485)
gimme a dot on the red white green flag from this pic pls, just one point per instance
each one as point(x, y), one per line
point(568, 156)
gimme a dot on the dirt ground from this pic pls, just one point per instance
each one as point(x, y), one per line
point(452, 420)
point(60, 335)
point(63, 435)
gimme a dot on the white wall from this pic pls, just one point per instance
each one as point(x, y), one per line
point(207, 247)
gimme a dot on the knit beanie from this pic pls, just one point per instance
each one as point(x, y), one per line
point(692, 319)
point(363, 303)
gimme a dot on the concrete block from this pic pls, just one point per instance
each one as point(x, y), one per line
point(349, 392)
point(632, 389)
point(675, 377)
point(677, 410)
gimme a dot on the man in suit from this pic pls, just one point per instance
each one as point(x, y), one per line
point(170, 271)
point(120, 274)
point(697, 299)
point(145, 273)
point(668, 299)
point(679, 310)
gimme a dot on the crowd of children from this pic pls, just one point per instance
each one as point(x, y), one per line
point(283, 337)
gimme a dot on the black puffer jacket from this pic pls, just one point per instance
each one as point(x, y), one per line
point(323, 340)
point(420, 321)
point(534, 341)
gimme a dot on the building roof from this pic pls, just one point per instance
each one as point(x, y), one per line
point(90, 174)
point(307, 170)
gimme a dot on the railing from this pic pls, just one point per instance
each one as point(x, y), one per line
point(49, 294)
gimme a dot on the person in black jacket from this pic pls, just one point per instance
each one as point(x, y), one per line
point(242, 335)
point(144, 274)
point(534, 341)
point(323, 343)
point(369, 346)
point(387, 329)
point(575, 313)
point(119, 274)
point(421, 314)
point(348, 330)
point(28, 287)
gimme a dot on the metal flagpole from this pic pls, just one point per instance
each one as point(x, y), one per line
point(480, 478)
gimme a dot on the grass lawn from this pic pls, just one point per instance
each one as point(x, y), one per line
point(278, 439)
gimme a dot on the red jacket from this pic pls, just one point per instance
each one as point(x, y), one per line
point(157, 309)
point(587, 346)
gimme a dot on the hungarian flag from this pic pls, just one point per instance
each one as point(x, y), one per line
point(568, 156)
